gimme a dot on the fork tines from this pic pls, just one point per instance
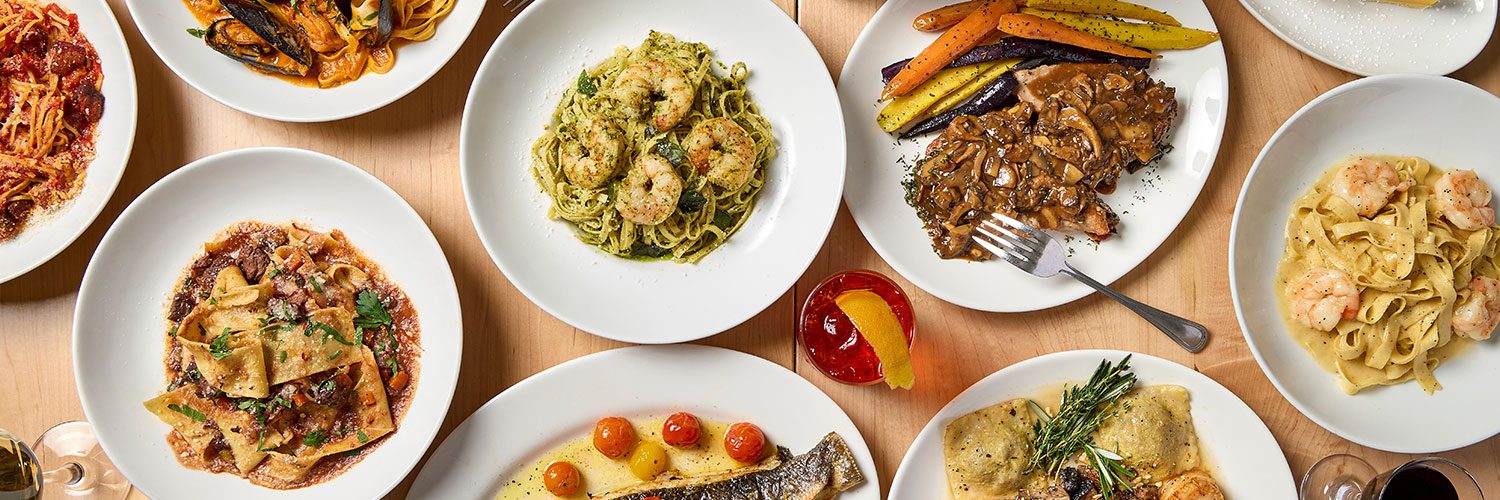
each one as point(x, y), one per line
point(518, 5)
point(1017, 242)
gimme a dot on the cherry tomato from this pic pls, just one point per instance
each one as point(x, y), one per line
point(744, 442)
point(562, 479)
point(614, 437)
point(648, 461)
point(681, 430)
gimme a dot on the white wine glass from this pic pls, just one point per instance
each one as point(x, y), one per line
point(65, 462)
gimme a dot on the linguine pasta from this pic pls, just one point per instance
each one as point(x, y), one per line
point(1410, 265)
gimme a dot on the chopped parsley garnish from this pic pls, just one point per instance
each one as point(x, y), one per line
point(283, 356)
point(260, 443)
point(336, 354)
point(371, 313)
point(189, 411)
point(328, 332)
point(172, 332)
point(274, 272)
point(219, 348)
point(586, 85)
point(203, 294)
point(363, 438)
point(671, 152)
point(314, 438)
point(317, 283)
point(196, 32)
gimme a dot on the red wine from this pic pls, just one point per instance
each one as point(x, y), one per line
point(1418, 483)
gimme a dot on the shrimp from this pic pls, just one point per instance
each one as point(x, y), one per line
point(1476, 318)
point(1465, 200)
point(1322, 297)
point(594, 159)
point(648, 195)
point(1367, 183)
point(637, 86)
point(723, 151)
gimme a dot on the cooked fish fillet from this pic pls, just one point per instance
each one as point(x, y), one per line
point(821, 473)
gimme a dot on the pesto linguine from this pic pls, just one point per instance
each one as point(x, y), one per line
point(1411, 266)
point(705, 213)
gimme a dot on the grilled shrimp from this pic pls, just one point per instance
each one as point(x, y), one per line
point(649, 192)
point(1367, 183)
point(593, 159)
point(1465, 200)
point(723, 151)
point(1322, 297)
point(636, 87)
point(1191, 485)
point(1476, 318)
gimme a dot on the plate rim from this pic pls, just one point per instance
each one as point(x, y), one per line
point(117, 37)
point(372, 104)
point(932, 423)
point(857, 442)
point(1065, 298)
point(1325, 59)
point(85, 290)
point(468, 162)
point(1234, 240)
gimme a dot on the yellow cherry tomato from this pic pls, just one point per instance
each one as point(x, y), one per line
point(648, 460)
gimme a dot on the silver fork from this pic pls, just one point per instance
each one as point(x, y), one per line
point(518, 5)
point(1037, 253)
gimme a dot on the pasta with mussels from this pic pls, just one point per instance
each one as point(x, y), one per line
point(1389, 269)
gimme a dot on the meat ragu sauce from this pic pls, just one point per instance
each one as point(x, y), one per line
point(248, 246)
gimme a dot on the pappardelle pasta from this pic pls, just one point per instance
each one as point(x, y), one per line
point(289, 356)
point(1389, 269)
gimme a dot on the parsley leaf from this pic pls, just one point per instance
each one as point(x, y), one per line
point(336, 354)
point(314, 438)
point(196, 32)
point(363, 438)
point(219, 348)
point(586, 85)
point(328, 332)
point(283, 356)
point(189, 411)
point(671, 152)
point(372, 313)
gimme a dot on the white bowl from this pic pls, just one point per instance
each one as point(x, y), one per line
point(164, 24)
point(1448, 122)
point(1239, 450)
point(1370, 38)
point(121, 313)
point(49, 234)
point(1150, 203)
point(561, 404)
point(651, 302)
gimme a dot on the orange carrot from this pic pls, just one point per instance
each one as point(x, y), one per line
point(943, 18)
point(1029, 26)
point(963, 37)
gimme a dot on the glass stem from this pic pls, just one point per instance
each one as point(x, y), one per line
point(69, 474)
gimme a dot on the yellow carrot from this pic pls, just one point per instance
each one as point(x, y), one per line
point(963, 37)
point(1144, 36)
point(1029, 26)
point(901, 111)
point(1112, 8)
point(957, 97)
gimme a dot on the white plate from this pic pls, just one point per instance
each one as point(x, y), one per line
point(1240, 452)
point(164, 24)
point(562, 403)
point(651, 302)
point(1369, 38)
point(1448, 122)
point(47, 235)
point(1150, 203)
point(121, 312)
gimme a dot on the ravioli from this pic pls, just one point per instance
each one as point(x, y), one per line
point(986, 452)
point(1153, 431)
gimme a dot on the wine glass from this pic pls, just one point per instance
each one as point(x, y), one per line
point(65, 462)
point(1347, 477)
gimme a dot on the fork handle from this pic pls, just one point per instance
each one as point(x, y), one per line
point(1191, 336)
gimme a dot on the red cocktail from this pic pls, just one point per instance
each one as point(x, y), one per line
point(830, 338)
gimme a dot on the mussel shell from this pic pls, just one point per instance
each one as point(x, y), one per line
point(385, 22)
point(256, 56)
point(284, 38)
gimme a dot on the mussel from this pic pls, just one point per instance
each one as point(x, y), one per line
point(372, 15)
point(255, 36)
point(237, 40)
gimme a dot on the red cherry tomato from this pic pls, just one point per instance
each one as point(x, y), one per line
point(562, 479)
point(614, 437)
point(681, 430)
point(651, 498)
point(744, 442)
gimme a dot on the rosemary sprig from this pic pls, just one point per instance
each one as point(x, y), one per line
point(1058, 438)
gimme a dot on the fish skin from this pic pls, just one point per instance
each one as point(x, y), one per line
point(820, 474)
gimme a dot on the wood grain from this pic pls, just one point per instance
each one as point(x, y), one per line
point(412, 145)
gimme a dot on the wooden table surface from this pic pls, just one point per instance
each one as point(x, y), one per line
point(413, 146)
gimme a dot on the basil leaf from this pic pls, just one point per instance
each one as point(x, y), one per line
point(651, 251)
point(723, 220)
point(691, 201)
point(586, 85)
point(673, 153)
point(189, 411)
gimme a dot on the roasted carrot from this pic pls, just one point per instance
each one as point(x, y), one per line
point(965, 35)
point(943, 18)
point(1029, 26)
